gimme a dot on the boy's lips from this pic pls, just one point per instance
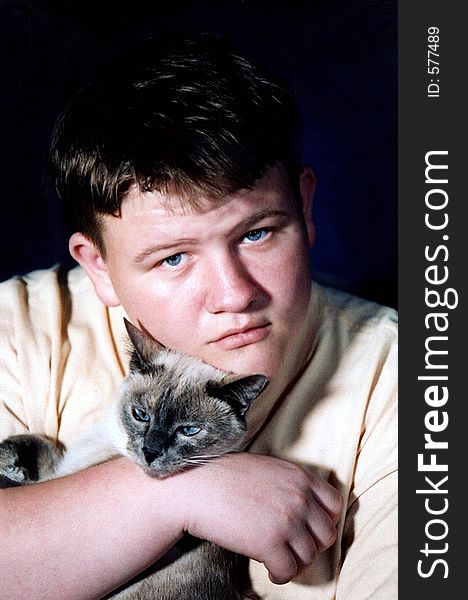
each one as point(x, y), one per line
point(236, 338)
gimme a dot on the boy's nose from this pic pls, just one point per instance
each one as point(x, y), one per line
point(229, 287)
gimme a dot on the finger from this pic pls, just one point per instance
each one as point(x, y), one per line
point(328, 497)
point(304, 549)
point(322, 529)
point(281, 565)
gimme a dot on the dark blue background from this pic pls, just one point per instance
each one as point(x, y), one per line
point(339, 58)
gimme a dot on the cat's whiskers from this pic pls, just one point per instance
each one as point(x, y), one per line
point(201, 459)
point(205, 456)
point(193, 463)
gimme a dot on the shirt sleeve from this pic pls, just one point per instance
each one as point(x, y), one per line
point(12, 414)
point(369, 571)
point(370, 535)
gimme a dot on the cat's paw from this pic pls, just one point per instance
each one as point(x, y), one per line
point(14, 472)
point(27, 458)
point(10, 464)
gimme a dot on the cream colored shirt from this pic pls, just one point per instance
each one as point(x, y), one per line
point(63, 356)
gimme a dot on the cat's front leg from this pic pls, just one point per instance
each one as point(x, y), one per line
point(28, 458)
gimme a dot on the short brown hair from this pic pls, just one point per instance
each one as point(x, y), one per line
point(185, 115)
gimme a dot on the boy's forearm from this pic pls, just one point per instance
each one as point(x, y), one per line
point(85, 534)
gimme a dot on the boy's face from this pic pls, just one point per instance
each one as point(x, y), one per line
point(229, 283)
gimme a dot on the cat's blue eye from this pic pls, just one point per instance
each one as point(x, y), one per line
point(189, 430)
point(140, 415)
point(256, 235)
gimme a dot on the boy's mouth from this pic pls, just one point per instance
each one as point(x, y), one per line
point(236, 338)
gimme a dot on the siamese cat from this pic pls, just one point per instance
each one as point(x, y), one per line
point(173, 412)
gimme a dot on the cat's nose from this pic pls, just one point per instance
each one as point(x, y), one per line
point(150, 454)
point(154, 444)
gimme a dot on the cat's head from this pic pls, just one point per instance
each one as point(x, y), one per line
point(177, 411)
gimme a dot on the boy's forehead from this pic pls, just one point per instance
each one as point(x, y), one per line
point(152, 221)
point(274, 182)
point(168, 203)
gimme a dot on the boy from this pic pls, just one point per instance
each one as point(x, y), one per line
point(194, 220)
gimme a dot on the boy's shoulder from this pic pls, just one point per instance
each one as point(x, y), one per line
point(43, 281)
point(349, 322)
point(45, 285)
point(355, 310)
point(38, 301)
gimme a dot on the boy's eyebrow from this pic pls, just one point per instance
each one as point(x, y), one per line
point(245, 224)
point(260, 215)
point(154, 248)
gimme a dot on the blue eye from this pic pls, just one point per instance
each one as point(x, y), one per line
point(174, 260)
point(189, 430)
point(255, 235)
point(140, 415)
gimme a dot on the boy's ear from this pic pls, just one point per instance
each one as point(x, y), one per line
point(85, 252)
point(307, 182)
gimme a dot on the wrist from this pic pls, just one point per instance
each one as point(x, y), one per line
point(160, 502)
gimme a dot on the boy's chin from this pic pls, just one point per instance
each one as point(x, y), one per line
point(249, 361)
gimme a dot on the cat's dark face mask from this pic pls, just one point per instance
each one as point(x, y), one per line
point(175, 411)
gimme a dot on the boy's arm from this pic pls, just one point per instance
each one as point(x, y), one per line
point(80, 536)
point(86, 534)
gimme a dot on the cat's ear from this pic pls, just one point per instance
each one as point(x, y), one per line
point(239, 393)
point(145, 347)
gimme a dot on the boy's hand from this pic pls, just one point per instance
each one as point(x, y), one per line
point(268, 509)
